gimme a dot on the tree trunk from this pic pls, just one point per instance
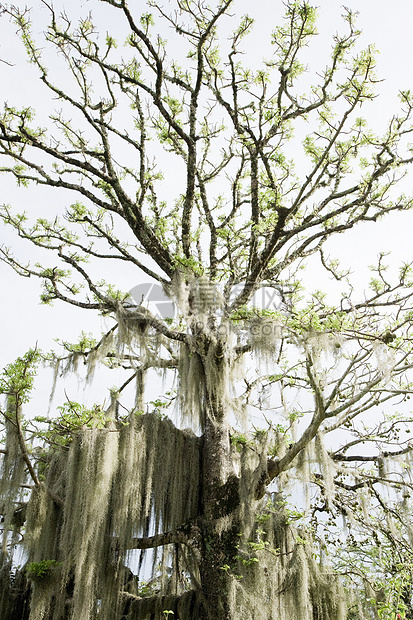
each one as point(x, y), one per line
point(220, 498)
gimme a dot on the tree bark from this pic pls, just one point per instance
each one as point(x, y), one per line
point(220, 498)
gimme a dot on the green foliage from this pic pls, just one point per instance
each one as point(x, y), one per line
point(85, 343)
point(148, 588)
point(110, 291)
point(393, 590)
point(72, 417)
point(160, 407)
point(190, 264)
point(16, 380)
point(240, 441)
point(41, 571)
point(249, 551)
point(245, 313)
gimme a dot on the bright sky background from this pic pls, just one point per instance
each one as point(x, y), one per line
point(387, 25)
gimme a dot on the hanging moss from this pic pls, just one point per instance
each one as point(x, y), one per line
point(265, 337)
point(160, 465)
point(327, 467)
point(206, 379)
point(115, 483)
point(277, 575)
point(133, 332)
point(143, 478)
point(99, 353)
point(191, 387)
point(12, 476)
point(303, 464)
point(91, 467)
point(385, 359)
point(43, 526)
point(14, 592)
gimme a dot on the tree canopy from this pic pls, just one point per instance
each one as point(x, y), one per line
point(270, 475)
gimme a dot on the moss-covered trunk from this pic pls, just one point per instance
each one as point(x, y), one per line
point(218, 539)
point(219, 497)
point(218, 554)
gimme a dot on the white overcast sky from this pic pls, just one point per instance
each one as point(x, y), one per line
point(387, 25)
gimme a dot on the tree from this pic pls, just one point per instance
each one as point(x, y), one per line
point(95, 487)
